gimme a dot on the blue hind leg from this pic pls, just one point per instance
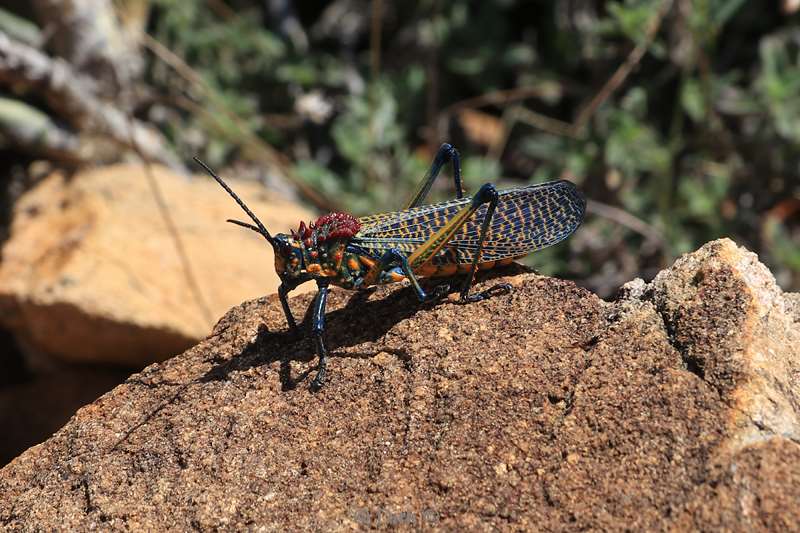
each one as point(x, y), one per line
point(447, 152)
point(486, 195)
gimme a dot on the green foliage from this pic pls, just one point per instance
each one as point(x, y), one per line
point(699, 141)
point(630, 18)
point(778, 83)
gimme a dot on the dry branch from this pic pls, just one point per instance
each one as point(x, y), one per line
point(253, 146)
point(72, 96)
point(577, 128)
point(33, 131)
point(87, 34)
point(622, 72)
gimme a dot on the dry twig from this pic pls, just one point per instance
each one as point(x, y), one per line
point(555, 126)
point(623, 218)
point(376, 27)
point(258, 149)
point(71, 95)
point(624, 69)
point(172, 228)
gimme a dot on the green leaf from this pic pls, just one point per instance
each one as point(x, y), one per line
point(692, 99)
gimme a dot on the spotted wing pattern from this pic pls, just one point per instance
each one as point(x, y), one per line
point(527, 219)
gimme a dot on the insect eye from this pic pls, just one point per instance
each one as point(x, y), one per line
point(282, 247)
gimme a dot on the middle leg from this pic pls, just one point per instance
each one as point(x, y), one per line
point(394, 258)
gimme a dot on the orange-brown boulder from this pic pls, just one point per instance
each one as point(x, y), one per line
point(91, 272)
point(673, 408)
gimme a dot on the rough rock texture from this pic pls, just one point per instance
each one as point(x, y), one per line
point(31, 411)
point(674, 407)
point(90, 257)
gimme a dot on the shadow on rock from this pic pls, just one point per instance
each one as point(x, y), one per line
point(361, 320)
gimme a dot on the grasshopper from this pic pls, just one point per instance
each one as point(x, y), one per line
point(460, 236)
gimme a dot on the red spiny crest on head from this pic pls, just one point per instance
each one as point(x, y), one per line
point(303, 232)
point(331, 226)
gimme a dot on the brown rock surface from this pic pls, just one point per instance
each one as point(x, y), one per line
point(31, 411)
point(90, 258)
point(544, 409)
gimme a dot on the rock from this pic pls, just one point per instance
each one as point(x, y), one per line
point(735, 329)
point(90, 257)
point(547, 408)
point(31, 411)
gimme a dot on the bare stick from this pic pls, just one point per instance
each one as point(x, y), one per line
point(71, 95)
point(623, 218)
point(376, 27)
point(261, 150)
point(172, 228)
point(499, 97)
point(543, 122)
point(624, 69)
point(557, 127)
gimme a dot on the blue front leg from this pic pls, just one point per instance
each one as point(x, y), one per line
point(317, 332)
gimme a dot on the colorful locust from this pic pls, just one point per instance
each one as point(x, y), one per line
point(461, 236)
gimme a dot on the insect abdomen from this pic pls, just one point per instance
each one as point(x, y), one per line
point(430, 270)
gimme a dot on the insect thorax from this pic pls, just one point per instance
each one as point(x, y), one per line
point(324, 248)
point(324, 258)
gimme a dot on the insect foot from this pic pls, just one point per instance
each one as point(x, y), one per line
point(318, 381)
point(500, 288)
point(438, 293)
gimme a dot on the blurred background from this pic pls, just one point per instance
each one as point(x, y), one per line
point(680, 120)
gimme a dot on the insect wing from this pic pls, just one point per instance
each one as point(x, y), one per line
point(526, 219)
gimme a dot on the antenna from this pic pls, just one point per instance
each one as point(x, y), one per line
point(243, 224)
point(259, 227)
